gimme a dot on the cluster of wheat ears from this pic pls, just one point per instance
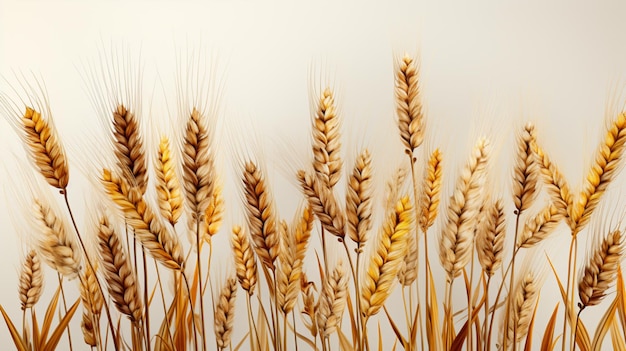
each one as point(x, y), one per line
point(142, 287)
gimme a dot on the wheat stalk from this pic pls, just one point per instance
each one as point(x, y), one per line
point(169, 195)
point(525, 171)
point(128, 147)
point(31, 280)
point(55, 245)
point(490, 238)
point(455, 246)
point(151, 232)
point(359, 199)
point(409, 103)
point(386, 260)
point(323, 203)
point(225, 314)
point(332, 301)
point(602, 172)
point(120, 278)
point(261, 215)
point(326, 139)
point(601, 269)
point(245, 261)
point(44, 148)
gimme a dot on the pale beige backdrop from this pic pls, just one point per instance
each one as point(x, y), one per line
point(487, 66)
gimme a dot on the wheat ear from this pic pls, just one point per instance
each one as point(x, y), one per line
point(605, 167)
point(326, 139)
point(214, 214)
point(524, 298)
point(198, 165)
point(167, 185)
point(601, 269)
point(359, 199)
point(118, 273)
point(332, 301)
point(540, 226)
point(225, 314)
point(490, 238)
point(429, 201)
point(31, 280)
point(409, 103)
point(261, 215)
point(556, 184)
point(128, 147)
point(525, 171)
point(92, 301)
point(151, 232)
point(245, 261)
point(408, 272)
point(45, 149)
point(386, 259)
point(55, 245)
point(88, 329)
point(289, 270)
point(455, 246)
point(323, 203)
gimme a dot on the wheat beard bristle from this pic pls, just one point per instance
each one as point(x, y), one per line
point(601, 269)
point(526, 171)
point(409, 104)
point(153, 235)
point(332, 301)
point(490, 238)
point(607, 163)
point(118, 273)
point(359, 199)
point(455, 247)
point(129, 147)
point(261, 215)
point(245, 261)
point(386, 261)
point(168, 187)
point(323, 203)
point(55, 246)
point(326, 140)
point(225, 314)
point(432, 188)
point(198, 165)
point(45, 148)
point(31, 280)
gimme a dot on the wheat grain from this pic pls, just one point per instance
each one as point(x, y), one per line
point(128, 147)
point(326, 139)
point(55, 245)
point(605, 167)
point(323, 203)
point(168, 187)
point(386, 260)
point(151, 232)
point(429, 201)
point(225, 314)
point(540, 226)
point(118, 273)
point(455, 246)
point(261, 215)
point(490, 238)
point(31, 280)
point(409, 103)
point(332, 301)
point(525, 171)
point(359, 199)
point(245, 261)
point(601, 269)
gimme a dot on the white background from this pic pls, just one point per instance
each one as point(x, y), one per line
point(487, 66)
